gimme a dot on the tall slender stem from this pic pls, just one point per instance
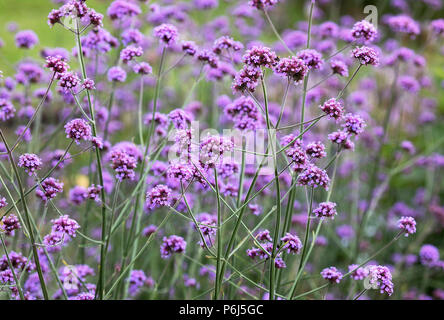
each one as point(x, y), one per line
point(219, 275)
point(100, 285)
point(271, 141)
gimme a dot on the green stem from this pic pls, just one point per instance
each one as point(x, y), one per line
point(271, 141)
point(219, 275)
point(100, 285)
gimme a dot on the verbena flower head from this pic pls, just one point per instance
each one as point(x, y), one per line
point(264, 236)
point(3, 202)
point(172, 244)
point(26, 39)
point(292, 243)
point(316, 150)
point(123, 164)
point(54, 17)
point(205, 4)
point(213, 148)
point(353, 124)
point(437, 27)
point(408, 224)
point(404, 24)
point(358, 273)
point(93, 192)
point(299, 157)
point(142, 68)
point(132, 36)
point(49, 188)
point(364, 30)
point(341, 138)
point(189, 47)
point(381, 277)
point(244, 112)
point(315, 177)
point(326, 210)
point(366, 56)
point(180, 119)
point(57, 64)
point(7, 110)
point(166, 33)
point(24, 132)
point(181, 172)
point(68, 80)
point(55, 157)
point(120, 9)
point(339, 67)
point(208, 57)
point(333, 109)
point(312, 58)
point(78, 195)
point(332, 274)
point(226, 43)
point(130, 52)
point(262, 4)
point(259, 56)
point(78, 129)
point(428, 255)
point(30, 162)
point(159, 196)
point(66, 225)
point(293, 68)
point(116, 74)
point(247, 79)
point(9, 224)
point(136, 280)
point(409, 84)
point(88, 84)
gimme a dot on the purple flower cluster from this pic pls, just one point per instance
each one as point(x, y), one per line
point(262, 4)
point(292, 243)
point(26, 39)
point(312, 58)
point(332, 274)
point(77, 130)
point(130, 52)
point(408, 224)
point(123, 164)
point(9, 224)
point(404, 24)
point(364, 30)
point(244, 113)
point(65, 225)
point(366, 56)
point(381, 277)
point(358, 273)
point(326, 210)
point(172, 244)
point(49, 188)
point(259, 56)
point(159, 196)
point(30, 162)
point(314, 177)
point(428, 255)
point(7, 110)
point(316, 150)
point(166, 33)
point(333, 109)
point(292, 68)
